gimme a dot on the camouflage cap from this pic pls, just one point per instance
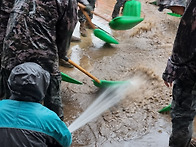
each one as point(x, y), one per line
point(28, 82)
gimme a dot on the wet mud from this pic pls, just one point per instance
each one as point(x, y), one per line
point(143, 50)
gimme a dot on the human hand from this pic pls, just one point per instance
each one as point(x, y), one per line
point(168, 84)
point(177, 9)
point(88, 8)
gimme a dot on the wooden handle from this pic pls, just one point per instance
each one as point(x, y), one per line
point(87, 16)
point(100, 16)
point(83, 7)
point(84, 71)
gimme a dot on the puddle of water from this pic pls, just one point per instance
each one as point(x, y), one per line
point(97, 43)
point(76, 32)
point(153, 139)
point(76, 54)
point(107, 99)
point(102, 24)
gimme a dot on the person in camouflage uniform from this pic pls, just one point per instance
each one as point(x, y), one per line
point(90, 5)
point(181, 69)
point(38, 31)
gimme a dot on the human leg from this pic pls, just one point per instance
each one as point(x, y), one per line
point(124, 1)
point(4, 90)
point(117, 7)
point(53, 99)
point(82, 21)
point(182, 113)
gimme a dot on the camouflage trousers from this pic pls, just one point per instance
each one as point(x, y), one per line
point(117, 7)
point(52, 100)
point(183, 110)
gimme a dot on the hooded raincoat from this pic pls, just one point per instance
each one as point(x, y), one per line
point(24, 122)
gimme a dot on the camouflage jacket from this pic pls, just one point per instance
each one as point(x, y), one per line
point(5, 9)
point(38, 31)
point(182, 63)
point(168, 3)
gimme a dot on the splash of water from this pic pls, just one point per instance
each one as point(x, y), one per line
point(107, 99)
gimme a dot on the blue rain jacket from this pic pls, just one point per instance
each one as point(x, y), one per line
point(31, 124)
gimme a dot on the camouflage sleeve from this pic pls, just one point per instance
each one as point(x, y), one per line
point(169, 3)
point(65, 27)
point(5, 8)
point(85, 2)
point(172, 71)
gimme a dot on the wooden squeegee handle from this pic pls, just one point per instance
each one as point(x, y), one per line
point(88, 18)
point(83, 7)
point(100, 16)
point(83, 70)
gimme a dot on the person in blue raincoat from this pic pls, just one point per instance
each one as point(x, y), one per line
point(24, 121)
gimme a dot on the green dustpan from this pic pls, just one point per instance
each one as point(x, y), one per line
point(105, 36)
point(165, 109)
point(132, 8)
point(174, 14)
point(66, 78)
point(104, 83)
point(125, 22)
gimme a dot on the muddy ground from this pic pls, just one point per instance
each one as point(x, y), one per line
point(134, 121)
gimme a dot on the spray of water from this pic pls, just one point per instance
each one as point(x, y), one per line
point(107, 99)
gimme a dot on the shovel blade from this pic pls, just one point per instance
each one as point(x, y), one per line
point(165, 109)
point(105, 36)
point(174, 14)
point(66, 78)
point(125, 22)
point(104, 83)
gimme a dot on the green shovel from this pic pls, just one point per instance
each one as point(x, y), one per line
point(124, 22)
point(174, 14)
point(165, 109)
point(101, 34)
point(96, 81)
point(67, 78)
point(131, 16)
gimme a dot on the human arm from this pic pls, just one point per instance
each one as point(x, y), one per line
point(176, 6)
point(168, 75)
point(177, 9)
point(172, 72)
point(184, 48)
point(88, 7)
point(64, 135)
point(56, 128)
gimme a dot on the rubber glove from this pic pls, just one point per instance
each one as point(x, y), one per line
point(88, 8)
